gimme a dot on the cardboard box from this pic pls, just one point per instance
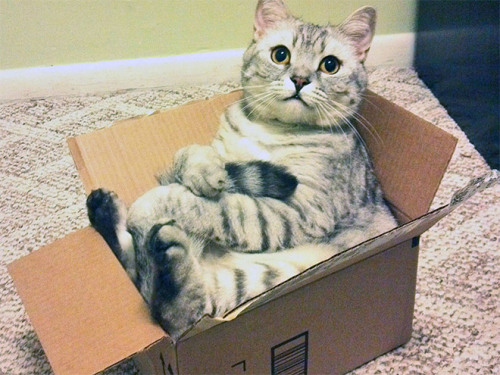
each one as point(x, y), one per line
point(330, 319)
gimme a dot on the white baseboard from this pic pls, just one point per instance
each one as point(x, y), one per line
point(392, 50)
point(173, 71)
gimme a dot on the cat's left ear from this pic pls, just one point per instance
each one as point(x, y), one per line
point(360, 28)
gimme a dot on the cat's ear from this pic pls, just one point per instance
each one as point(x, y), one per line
point(359, 27)
point(268, 13)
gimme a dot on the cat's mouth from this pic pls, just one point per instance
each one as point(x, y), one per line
point(296, 97)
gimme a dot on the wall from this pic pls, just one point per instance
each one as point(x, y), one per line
point(42, 33)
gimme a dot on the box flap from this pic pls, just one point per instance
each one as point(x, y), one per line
point(410, 155)
point(85, 310)
point(126, 156)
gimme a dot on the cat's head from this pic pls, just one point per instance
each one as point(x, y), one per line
point(297, 72)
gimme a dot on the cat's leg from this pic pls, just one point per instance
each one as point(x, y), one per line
point(108, 215)
point(234, 221)
point(371, 221)
point(204, 172)
point(179, 298)
point(187, 285)
point(259, 178)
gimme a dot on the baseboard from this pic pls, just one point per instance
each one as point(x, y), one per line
point(173, 71)
point(392, 50)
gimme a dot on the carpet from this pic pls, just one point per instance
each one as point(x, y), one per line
point(457, 308)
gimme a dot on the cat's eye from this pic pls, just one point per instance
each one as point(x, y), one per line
point(280, 55)
point(329, 65)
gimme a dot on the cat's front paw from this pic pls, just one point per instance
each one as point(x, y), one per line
point(201, 170)
point(206, 180)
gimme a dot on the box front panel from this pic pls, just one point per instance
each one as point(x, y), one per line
point(330, 326)
point(159, 359)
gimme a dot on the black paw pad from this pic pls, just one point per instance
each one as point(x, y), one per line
point(102, 210)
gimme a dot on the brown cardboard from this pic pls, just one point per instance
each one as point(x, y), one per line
point(354, 307)
point(126, 157)
point(408, 154)
point(58, 286)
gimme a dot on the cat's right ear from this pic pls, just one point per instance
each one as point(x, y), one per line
point(268, 13)
point(360, 27)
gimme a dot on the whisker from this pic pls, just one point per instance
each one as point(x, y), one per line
point(343, 109)
point(332, 121)
point(365, 97)
point(244, 100)
point(362, 121)
point(262, 102)
point(346, 121)
point(257, 98)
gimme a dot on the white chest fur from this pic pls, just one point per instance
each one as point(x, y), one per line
point(239, 139)
point(238, 148)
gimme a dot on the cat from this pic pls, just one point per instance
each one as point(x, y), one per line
point(285, 184)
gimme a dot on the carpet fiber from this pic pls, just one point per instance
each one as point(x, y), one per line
point(457, 310)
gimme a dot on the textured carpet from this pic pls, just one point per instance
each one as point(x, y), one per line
point(457, 311)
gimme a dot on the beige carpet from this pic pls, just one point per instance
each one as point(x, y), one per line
point(457, 312)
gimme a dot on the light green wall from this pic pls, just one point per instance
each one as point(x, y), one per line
point(56, 32)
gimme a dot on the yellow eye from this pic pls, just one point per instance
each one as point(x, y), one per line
point(280, 55)
point(329, 65)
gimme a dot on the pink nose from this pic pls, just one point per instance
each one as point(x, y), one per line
point(299, 82)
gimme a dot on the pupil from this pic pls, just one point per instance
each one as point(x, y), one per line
point(330, 64)
point(281, 54)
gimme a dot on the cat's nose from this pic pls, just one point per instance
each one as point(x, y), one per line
point(300, 82)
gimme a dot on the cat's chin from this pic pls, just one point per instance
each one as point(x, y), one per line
point(293, 111)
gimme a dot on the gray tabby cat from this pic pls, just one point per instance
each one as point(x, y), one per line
point(285, 184)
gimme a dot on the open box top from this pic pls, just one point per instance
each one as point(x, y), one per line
point(79, 298)
point(410, 155)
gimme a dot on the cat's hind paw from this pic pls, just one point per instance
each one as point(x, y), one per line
point(167, 244)
point(103, 208)
point(107, 214)
point(178, 297)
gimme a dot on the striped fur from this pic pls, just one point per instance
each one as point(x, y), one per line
point(285, 184)
point(207, 178)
